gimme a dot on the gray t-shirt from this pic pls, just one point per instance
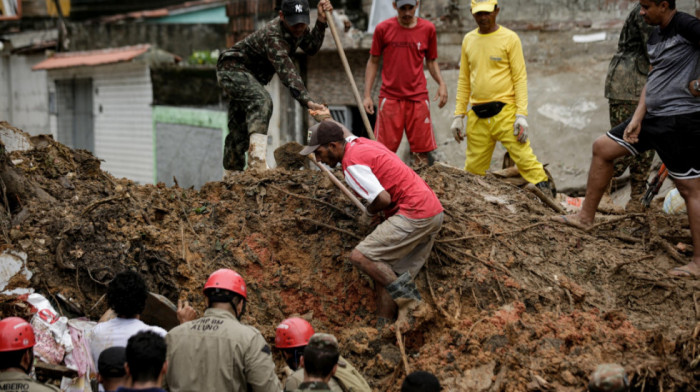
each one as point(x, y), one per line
point(673, 53)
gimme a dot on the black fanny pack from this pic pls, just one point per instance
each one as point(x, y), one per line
point(489, 109)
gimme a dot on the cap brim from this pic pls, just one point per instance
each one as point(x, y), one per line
point(401, 3)
point(483, 8)
point(308, 149)
point(295, 19)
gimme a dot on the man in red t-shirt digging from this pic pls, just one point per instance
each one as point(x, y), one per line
point(396, 250)
point(404, 42)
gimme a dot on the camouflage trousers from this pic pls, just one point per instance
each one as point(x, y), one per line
point(249, 111)
point(639, 164)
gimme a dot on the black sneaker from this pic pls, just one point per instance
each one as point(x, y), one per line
point(546, 188)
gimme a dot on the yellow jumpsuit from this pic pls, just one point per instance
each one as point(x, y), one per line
point(492, 69)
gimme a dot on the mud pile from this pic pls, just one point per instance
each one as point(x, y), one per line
point(519, 302)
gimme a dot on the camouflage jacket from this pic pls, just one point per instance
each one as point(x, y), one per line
point(314, 386)
point(628, 69)
point(269, 50)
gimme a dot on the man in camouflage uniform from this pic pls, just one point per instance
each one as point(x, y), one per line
point(609, 377)
point(320, 362)
point(217, 352)
point(244, 69)
point(626, 77)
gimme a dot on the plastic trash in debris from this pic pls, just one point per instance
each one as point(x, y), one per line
point(570, 204)
point(13, 263)
point(674, 203)
point(53, 339)
point(584, 38)
point(80, 358)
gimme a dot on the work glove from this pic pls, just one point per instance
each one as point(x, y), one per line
point(457, 127)
point(520, 128)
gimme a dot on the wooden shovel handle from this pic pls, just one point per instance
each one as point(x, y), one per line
point(348, 72)
point(339, 184)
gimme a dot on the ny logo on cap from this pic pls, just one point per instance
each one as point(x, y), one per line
point(298, 9)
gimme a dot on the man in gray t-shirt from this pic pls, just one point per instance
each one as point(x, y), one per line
point(667, 120)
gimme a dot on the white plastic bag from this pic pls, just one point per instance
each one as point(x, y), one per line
point(47, 319)
point(674, 203)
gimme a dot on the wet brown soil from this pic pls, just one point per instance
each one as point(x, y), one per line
point(519, 302)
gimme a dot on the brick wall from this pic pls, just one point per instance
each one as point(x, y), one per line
point(327, 81)
point(243, 16)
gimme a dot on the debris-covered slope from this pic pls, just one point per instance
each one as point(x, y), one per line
point(518, 301)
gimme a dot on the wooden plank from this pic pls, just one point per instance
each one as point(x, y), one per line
point(160, 311)
point(55, 372)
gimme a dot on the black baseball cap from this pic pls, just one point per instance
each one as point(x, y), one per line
point(111, 362)
point(325, 132)
point(296, 11)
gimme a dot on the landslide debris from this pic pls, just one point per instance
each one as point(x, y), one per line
point(520, 302)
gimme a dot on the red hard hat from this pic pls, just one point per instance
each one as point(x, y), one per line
point(227, 279)
point(15, 334)
point(293, 332)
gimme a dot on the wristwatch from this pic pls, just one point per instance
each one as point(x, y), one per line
point(696, 85)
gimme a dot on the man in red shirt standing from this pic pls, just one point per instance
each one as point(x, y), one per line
point(403, 42)
point(396, 250)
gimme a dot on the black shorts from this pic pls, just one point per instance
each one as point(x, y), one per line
point(675, 138)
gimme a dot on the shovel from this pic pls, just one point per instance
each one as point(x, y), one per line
point(348, 72)
point(339, 184)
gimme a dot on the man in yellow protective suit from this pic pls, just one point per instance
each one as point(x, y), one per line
point(492, 79)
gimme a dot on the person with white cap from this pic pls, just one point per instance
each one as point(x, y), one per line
point(493, 80)
point(404, 42)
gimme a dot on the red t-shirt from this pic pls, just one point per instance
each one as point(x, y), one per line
point(403, 51)
point(371, 168)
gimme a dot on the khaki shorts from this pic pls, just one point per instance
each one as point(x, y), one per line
point(401, 242)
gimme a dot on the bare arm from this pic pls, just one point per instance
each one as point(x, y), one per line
point(370, 76)
point(381, 202)
point(441, 94)
point(631, 134)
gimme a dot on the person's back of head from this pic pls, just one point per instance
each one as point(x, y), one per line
point(420, 381)
point(226, 286)
point(145, 357)
point(16, 342)
point(609, 377)
point(321, 356)
point(110, 368)
point(291, 336)
point(126, 294)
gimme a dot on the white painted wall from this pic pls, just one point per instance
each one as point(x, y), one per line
point(4, 88)
point(122, 98)
point(29, 102)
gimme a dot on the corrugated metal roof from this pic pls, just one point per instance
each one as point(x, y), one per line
point(93, 57)
point(184, 8)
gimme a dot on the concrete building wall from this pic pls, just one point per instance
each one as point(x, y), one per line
point(30, 103)
point(535, 12)
point(23, 94)
point(189, 145)
point(327, 80)
point(5, 114)
point(179, 39)
point(122, 113)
